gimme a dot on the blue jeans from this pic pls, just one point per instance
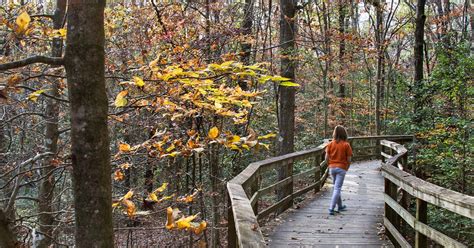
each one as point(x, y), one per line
point(337, 175)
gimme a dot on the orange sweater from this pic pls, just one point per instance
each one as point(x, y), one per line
point(339, 152)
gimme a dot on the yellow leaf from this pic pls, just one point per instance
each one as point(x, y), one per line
point(170, 148)
point(153, 197)
point(34, 96)
point(164, 198)
point(59, 33)
point(118, 175)
point(124, 147)
point(227, 63)
point(185, 222)
point(270, 135)
point(115, 204)
point(138, 81)
point(120, 100)
point(289, 84)
point(234, 139)
point(279, 78)
point(213, 133)
point(128, 195)
point(23, 20)
point(161, 188)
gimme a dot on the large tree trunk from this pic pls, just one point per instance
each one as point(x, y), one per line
point(286, 120)
point(418, 60)
point(89, 135)
point(46, 191)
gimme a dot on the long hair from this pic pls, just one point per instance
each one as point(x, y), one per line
point(339, 133)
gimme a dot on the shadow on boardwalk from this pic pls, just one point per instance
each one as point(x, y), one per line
point(359, 226)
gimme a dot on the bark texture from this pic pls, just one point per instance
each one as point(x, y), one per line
point(89, 135)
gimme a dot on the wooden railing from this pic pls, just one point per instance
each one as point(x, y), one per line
point(257, 183)
point(399, 182)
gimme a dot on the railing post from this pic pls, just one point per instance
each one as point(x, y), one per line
point(421, 216)
point(254, 187)
point(405, 200)
point(231, 232)
point(317, 174)
point(388, 210)
point(378, 148)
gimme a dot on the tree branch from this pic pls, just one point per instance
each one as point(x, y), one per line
point(32, 60)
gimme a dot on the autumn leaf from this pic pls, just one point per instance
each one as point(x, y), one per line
point(153, 197)
point(169, 218)
point(58, 33)
point(128, 195)
point(14, 79)
point(120, 100)
point(185, 222)
point(199, 229)
point(289, 84)
point(138, 82)
point(279, 79)
point(34, 96)
point(118, 175)
point(270, 135)
point(161, 188)
point(22, 21)
point(130, 207)
point(124, 147)
point(171, 215)
point(115, 204)
point(125, 166)
point(213, 133)
point(164, 198)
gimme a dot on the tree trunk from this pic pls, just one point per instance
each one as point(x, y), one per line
point(287, 94)
point(46, 191)
point(246, 46)
point(342, 44)
point(418, 60)
point(380, 64)
point(89, 135)
point(7, 237)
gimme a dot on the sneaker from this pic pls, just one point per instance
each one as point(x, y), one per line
point(343, 208)
point(332, 212)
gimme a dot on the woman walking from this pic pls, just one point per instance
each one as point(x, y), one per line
point(338, 157)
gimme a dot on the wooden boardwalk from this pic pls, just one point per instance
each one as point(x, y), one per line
point(359, 226)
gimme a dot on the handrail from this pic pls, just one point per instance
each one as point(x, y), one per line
point(244, 190)
point(397, 180)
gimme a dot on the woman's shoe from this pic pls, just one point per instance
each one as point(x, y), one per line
point(343, 208)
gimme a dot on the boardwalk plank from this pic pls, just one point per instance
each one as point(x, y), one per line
point(359, 226)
